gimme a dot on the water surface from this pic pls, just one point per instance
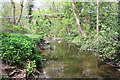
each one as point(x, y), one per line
point(65, 60)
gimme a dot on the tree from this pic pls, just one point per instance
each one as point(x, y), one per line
point(21, 10)
point(97, 26)
point(77, 19)
point(30, 6)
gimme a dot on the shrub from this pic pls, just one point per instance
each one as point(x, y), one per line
point(14, 29)
point(108, 44)
point(18, 49)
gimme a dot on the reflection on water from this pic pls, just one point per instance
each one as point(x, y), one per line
point(66, 61)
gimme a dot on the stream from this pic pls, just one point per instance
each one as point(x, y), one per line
point(65, 60)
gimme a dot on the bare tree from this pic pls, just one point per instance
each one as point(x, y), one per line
point(21, 10)
point(77, 19)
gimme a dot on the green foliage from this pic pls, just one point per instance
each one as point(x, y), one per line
point(17, 49)
point(35, 38)
point(18, 29)
point(30, 68)
point(89, 42)
point(108, 44)
point(14, 29)
point(40, 26)
point(54, 25)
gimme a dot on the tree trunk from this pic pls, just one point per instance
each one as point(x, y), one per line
point(21, 10)
point(30, 12)
point(77, 19)
point(13, 5)
point(119, 20)
point(88, 19)
point(97, 25)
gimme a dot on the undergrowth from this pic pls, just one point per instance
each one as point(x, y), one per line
point(18, 50)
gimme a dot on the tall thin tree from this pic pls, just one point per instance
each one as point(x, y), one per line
point(97, 22)
point(77, 19)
